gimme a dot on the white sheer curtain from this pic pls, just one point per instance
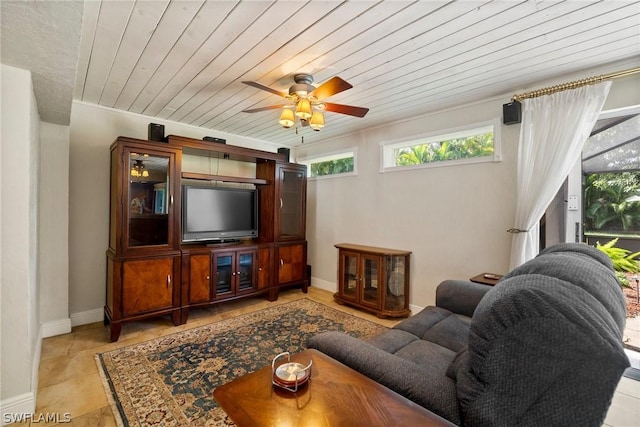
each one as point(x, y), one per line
point(553, 131)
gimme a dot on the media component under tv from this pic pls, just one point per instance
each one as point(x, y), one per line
point(218, 214)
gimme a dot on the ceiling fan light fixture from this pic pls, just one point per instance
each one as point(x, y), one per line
point(303, 109)
point(317, 121)
point(287, 119)
point(306, 103)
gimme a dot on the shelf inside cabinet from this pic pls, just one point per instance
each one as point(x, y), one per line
point(225, 178)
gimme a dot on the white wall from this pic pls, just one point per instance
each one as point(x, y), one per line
point(54, 230)
point(93, 129)
point(21, 338)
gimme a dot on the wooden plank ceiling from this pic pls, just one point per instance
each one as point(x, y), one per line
point(185, 60)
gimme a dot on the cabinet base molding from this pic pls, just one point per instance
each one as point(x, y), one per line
point(115, 326)
point(382, 314)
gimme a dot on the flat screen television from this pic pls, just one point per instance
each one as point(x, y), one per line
point(218, 213)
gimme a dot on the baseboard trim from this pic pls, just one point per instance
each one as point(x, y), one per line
point(57, 327)
point(323, 284)
point(87, 317)
point(15, 407)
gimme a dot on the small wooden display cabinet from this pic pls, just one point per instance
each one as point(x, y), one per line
point(374, 279)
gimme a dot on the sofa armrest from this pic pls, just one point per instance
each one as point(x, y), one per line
point(436, 393)
point(460, 296)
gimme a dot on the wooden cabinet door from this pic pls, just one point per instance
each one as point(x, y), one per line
point(147, 285)
point(292, 265)
point(264, 268)
point(199, 278)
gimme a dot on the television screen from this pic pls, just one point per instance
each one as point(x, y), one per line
point(218, 213)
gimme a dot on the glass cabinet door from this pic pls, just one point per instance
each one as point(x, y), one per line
point(370, 276)
point(244, 274)
point(350, 275)
point(223, 264)
point(396, 283)
point(148, 199)
point(292, 202)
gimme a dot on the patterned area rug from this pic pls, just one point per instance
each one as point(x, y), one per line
point(169, 381)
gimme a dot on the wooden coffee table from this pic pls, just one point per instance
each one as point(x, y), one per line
point(336, 395)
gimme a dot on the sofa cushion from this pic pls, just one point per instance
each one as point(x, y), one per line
point(392, 340)
point(433, 357)
point(439, 326)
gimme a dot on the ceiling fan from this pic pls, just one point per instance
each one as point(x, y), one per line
point(306, 101)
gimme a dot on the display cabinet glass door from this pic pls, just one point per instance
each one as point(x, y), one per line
point(147, 207)
point(350, 275)
point(292, 203)
point(369, 277)
point(396, 283)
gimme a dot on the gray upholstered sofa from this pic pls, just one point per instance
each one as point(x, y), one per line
point(541, 348)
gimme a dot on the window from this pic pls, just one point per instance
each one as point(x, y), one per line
point(472, 144)
point(343, 163)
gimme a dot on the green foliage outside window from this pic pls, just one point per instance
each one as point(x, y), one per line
point(332, 167)
point(453, 149)
point(612, 203)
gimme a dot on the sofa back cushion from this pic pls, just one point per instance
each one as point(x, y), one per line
point(545, 344)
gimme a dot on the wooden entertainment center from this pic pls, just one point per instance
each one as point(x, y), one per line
point(152, 272)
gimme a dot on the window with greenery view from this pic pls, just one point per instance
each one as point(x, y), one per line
point(470, 145)
point(332, 167)
point(612, 203)
point(335, 164)
point(450, 149)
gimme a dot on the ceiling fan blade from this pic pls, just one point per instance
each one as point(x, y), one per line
point(346, 109)
point(331, 87)
point(257, 110)
point(267, 88)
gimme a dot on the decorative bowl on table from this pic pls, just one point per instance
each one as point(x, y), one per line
point(289, 375)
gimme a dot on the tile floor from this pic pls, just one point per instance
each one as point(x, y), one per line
point(69, 381)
